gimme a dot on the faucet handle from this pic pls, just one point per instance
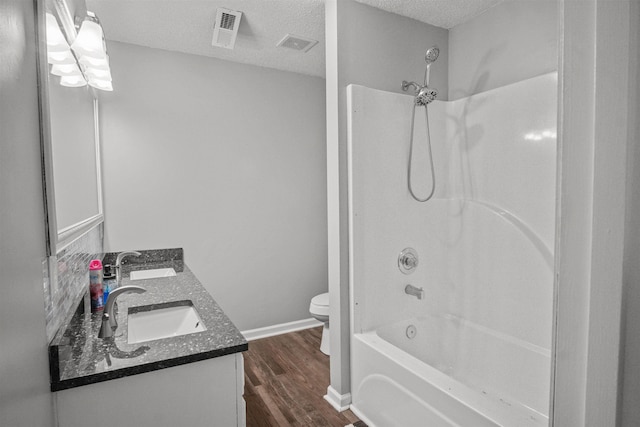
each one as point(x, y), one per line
point(408, 260)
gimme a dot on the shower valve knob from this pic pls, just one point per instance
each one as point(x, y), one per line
point(408, 260)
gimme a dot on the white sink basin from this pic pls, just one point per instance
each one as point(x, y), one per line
point(152, 274)
point(163, 323)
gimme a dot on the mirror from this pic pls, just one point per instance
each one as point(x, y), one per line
point(71, 147)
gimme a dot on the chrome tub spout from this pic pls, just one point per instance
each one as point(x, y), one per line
point(412, 290)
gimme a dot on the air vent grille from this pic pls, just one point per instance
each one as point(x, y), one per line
point(302, 44)
point(227, 21)
point(297, 44)
point(225, 29)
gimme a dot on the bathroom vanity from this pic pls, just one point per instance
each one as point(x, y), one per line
point(193, 379)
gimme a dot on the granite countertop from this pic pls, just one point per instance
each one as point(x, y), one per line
point(78, 357)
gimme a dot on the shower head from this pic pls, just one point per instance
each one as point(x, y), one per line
point(432, 54)
point(430, 57)
point(425, 96)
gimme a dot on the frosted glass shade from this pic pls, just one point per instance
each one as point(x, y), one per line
point(93, 63)
point(89, 41)
point(73, 81)
point(101, 84)
point(98, 74)
point(66, 70)
point(61, 58)
point(55, 39)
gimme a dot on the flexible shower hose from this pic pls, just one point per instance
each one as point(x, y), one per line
point(433, 175)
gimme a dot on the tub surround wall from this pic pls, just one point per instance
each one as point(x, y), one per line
point(484, 176)
point(70, 278)
point(513, 41)
point(485, 241)
point(227, 161)
point(24, 386)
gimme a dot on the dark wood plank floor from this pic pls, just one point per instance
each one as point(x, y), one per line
point(286, 377)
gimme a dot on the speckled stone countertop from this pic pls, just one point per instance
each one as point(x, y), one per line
point(78, 357)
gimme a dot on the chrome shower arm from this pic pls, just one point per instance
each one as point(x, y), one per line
point(406, 85)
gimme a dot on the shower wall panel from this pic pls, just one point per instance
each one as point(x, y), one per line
point(485, 240)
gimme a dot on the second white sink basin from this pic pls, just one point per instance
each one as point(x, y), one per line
point(152, 274)
point(163, 323)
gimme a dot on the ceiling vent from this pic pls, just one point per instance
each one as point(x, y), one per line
point(225, 29)
point(302, 44)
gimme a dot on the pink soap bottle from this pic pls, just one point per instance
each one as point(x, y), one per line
point(95, 285)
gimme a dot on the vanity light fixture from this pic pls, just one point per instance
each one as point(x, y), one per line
point(85, 61)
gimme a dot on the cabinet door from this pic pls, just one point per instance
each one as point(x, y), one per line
point(197, 394)
point(242, 407)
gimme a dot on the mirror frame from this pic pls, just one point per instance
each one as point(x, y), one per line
point(56, 240)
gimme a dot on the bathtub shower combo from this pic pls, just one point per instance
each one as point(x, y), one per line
point(451, 299)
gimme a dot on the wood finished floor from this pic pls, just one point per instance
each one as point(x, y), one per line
point(286, 377)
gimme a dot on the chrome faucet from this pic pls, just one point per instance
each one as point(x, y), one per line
point(119, 259)
point(412, 290)
point(109, 322)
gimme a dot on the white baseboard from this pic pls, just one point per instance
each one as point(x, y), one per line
point(340, 402)
point(282, 328)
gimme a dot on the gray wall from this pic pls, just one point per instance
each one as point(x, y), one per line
point(227, 161)
point(510, 42)
point(380, 49)
point(25, 399)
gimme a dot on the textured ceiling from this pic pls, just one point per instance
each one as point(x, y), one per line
point(441, 13)
point(187, 26)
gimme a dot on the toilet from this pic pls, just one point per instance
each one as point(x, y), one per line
point(319, 309)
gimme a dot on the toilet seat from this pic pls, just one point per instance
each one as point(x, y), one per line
point(320, 305)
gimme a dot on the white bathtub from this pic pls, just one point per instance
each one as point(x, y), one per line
point(451, 373)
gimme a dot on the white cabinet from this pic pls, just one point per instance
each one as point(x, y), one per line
point(206, 393)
